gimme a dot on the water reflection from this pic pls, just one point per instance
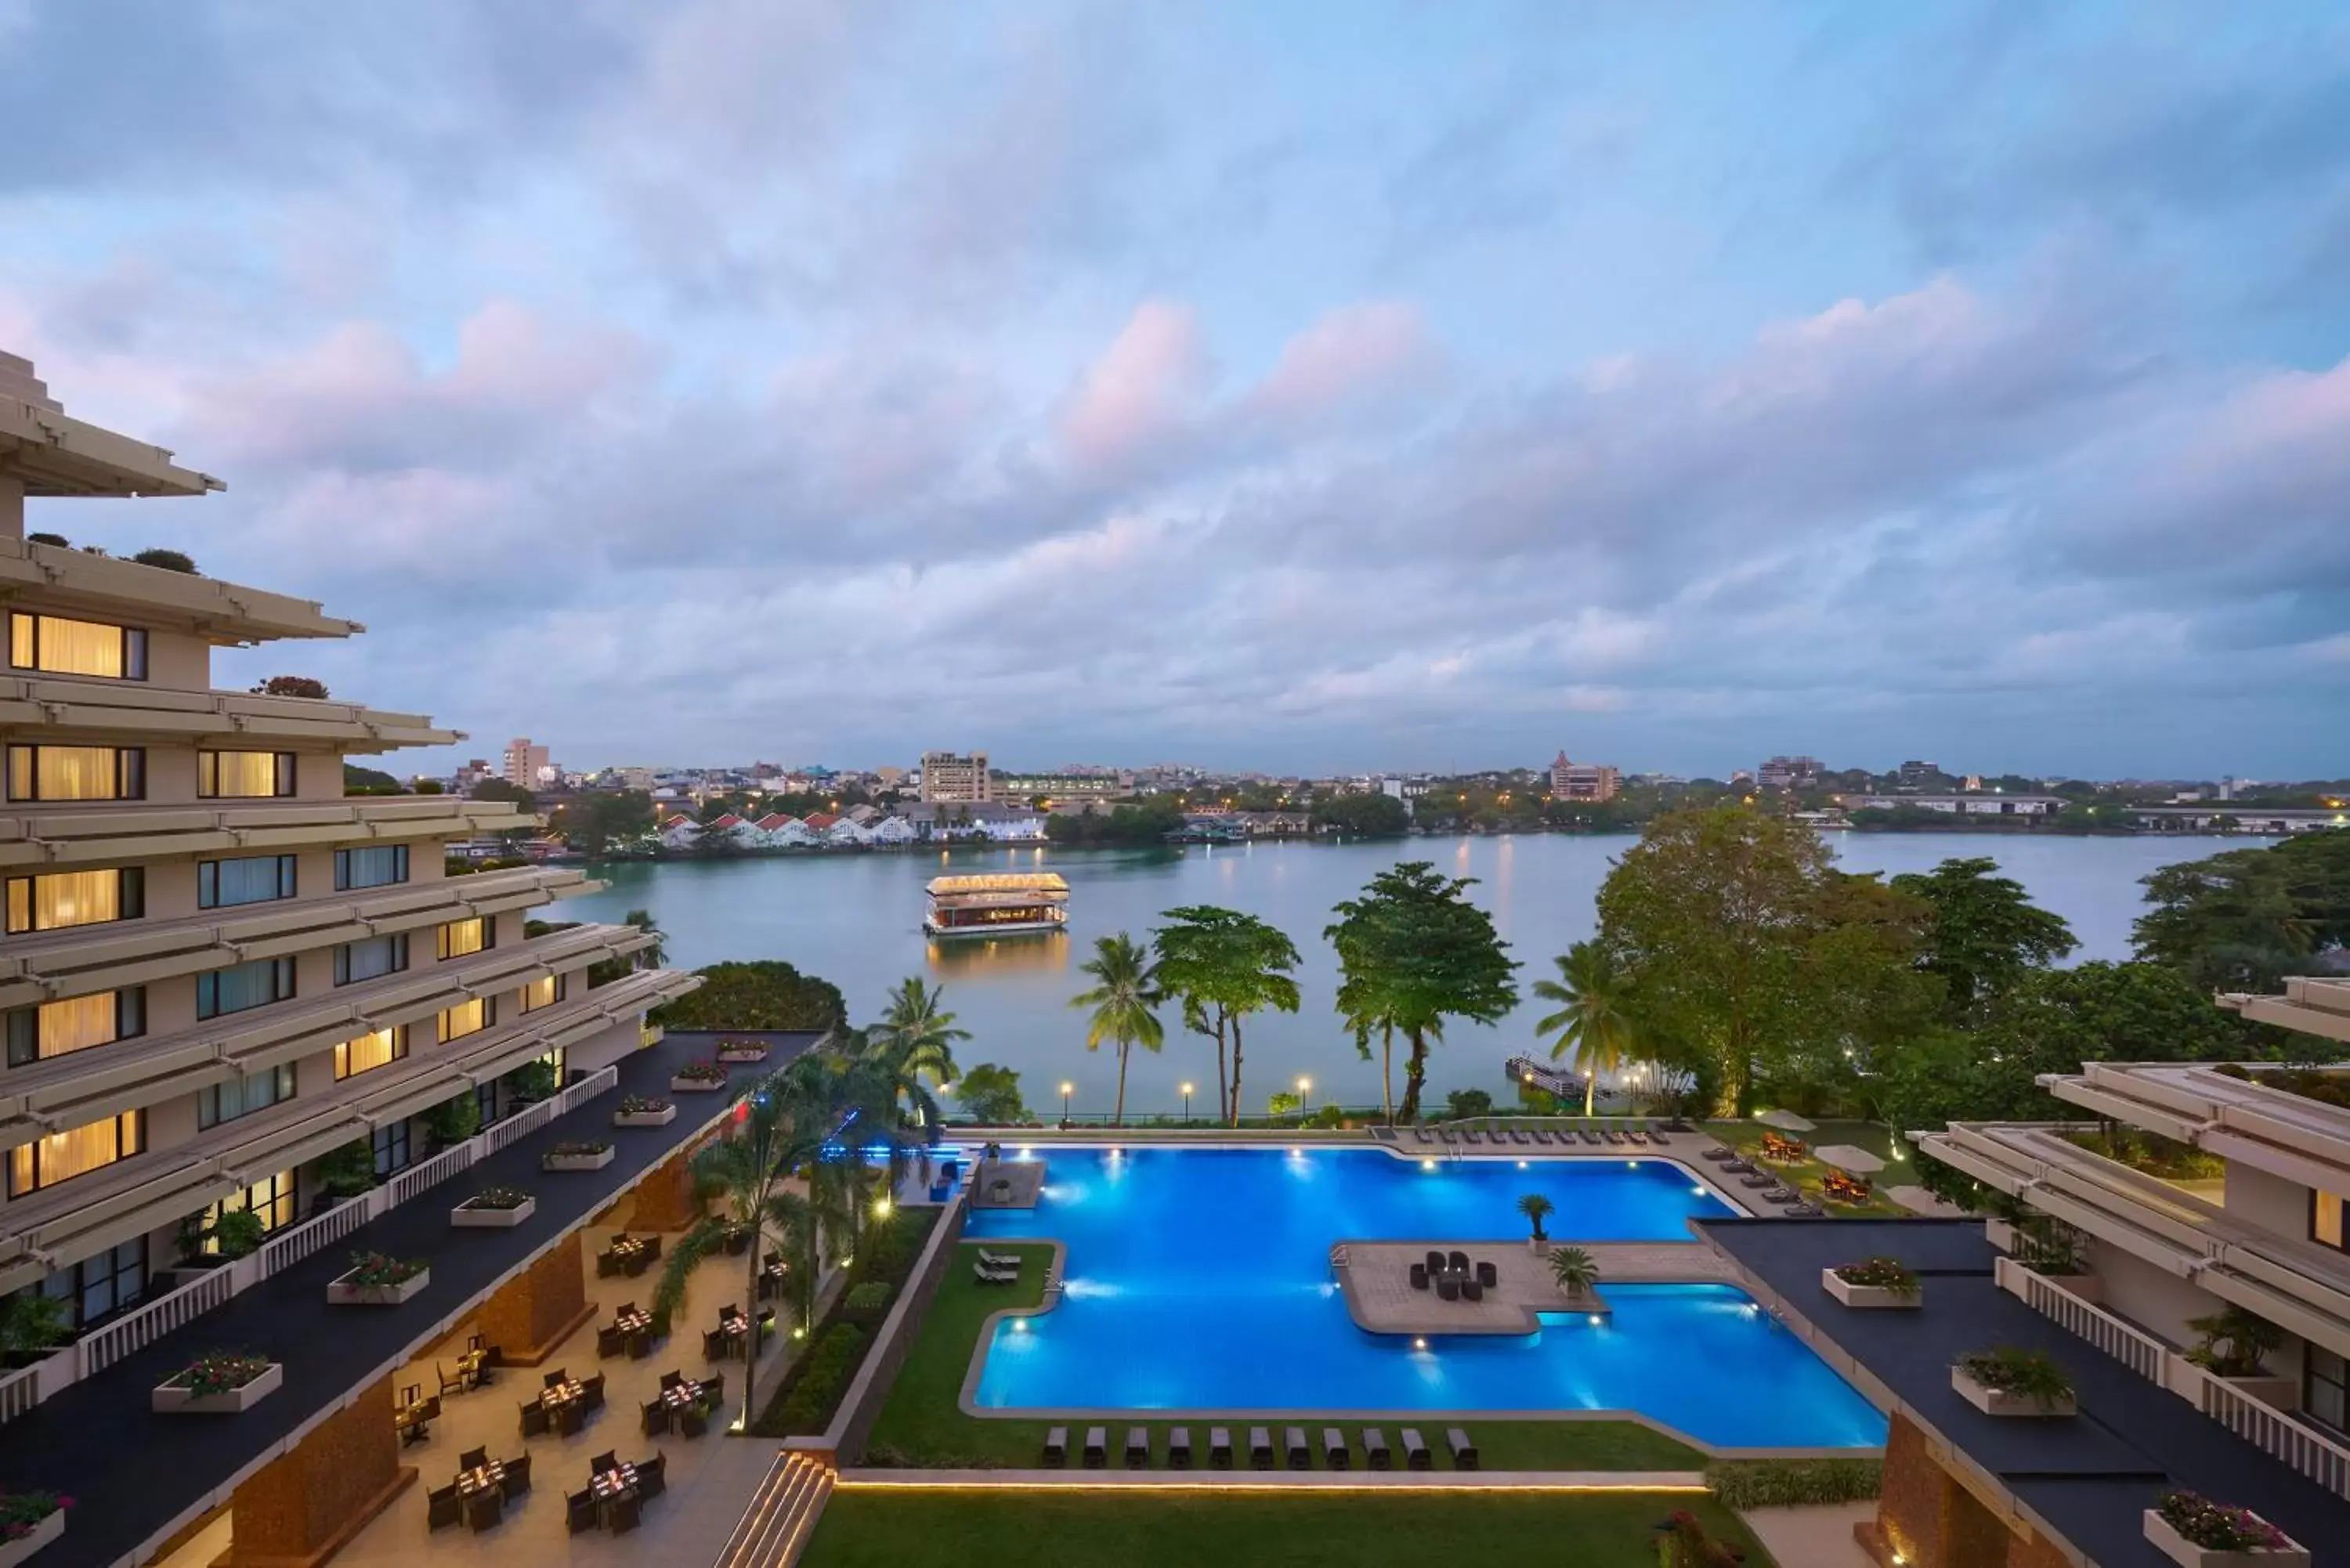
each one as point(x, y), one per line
point(1035, 952)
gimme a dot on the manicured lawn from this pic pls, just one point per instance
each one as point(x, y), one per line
point(1804, 1175)
point(923, 1424)
point(1041, 1529)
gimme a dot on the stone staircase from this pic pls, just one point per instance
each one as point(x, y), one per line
point(776, 1527)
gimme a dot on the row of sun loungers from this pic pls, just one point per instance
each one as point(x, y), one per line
point(997, 1268)
point(1544, 1137)
point(1337, 1453)
point(1763, 1183)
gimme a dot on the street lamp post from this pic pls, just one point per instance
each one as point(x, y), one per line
point(1067, 1089)
point(1187, 1105)
point(1304, 1087)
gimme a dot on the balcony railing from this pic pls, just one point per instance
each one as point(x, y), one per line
point(297, 1243)
point(417, 1178)
point(2133, 1347)
point(2312, 1455)
point(101, 1348)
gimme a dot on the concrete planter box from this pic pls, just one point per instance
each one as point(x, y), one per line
point(660, 1118)
point(340, 1294)
point(696, 1086)
point(50, 1527)
point(1999, 1402)
point(492, 1219)
point(2180, 1550)
point(171, 1401)
point(579, 1161)
point(2001, 1233)
point(2277, 1393)
point(1867, 1297)
point(747, 1056)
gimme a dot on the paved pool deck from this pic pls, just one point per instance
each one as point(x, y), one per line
point(1376, 1278)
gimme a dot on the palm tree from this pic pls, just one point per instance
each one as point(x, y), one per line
point(1122, 1003)
point(1574, 1269)
point(783, 1130)
point(1594, 1023)
point(1536, 1208)
point(920, 1034)
point(656, 955)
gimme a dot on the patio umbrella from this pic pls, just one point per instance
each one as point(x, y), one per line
point(1786, 1121)
point(1844, 1156)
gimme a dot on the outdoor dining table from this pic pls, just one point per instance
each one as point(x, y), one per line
point(633, 1326)
point(565, 1403)
point(609, 1487)
point(490, 1477)
point(771, 1280)
point(680, 1395)
point(630, 1254)
point(470, 1366)
point(413, 1421)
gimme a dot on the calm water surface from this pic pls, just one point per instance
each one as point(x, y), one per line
point(855, 920)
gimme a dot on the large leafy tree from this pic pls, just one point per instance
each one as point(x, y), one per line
point(592, 823)
point(1986, 934)
point(1223, 966)
point(1424, 953)
point(766, 993)
point(2243, 919)
point(1125, 1000)
point(1594, 1021)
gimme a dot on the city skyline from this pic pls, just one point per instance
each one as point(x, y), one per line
point(1468, 380)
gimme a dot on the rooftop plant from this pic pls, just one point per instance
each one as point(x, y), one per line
point(30, 1321)
point(2231, 1341)
point(238, 1233)
point(641, 1105)
point(2012, 1369)
point(498, 1197)
point(572, 1149)
point(703, 1073)
point(170, 560)
point(1881, 1274)
point(2326, 1087)
point(20, 1510)
point(219, 1371)
point(369, 1269)
point(58, 539)
point(2047, 1246)
point(292, 686)
point(2217, 1527)
point(1574, 1269)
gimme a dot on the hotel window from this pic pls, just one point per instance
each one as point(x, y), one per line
point(544, 992)
point(56, 645)
point(459, 937)
point(242, 1096)
point(61, 1028)
point(61, 1156)
point(97, 1288)
point(272, 1199)
point(254, 880)
point(470, 1018)
point(65, 898)
point(247, 985)
point(76, 772)
point(368, 1052)
point(486, 1100)
point(2326, 1221)
point(371, 959)
point(379, 867)
point(244, 775)
point(2325, 1387)
point(391, 1148)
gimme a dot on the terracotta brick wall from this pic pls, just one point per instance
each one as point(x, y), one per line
point(1932, 1521)
point(546, 1299)
point(664, 1200)
point(296, 1505)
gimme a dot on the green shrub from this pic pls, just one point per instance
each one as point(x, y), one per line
point(1462, 1104)
point(1793, 1483)
point(238, 1233)
point(813, 1388)
point(170, 560)
point(869, 1299)
point(454, 1119)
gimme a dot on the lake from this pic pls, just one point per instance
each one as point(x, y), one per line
point(855, 920)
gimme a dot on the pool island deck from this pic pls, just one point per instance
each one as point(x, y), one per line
point(1375, 1277)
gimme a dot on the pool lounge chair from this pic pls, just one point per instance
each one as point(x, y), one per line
point(1587, 1135)
point(1220, 1447)
point(1096, 1447)
point(1633, 1134)
point(1806, 1211)
point(1137, 1447)
point(1758, 1178)
point(1472, 1136)
point(1717, 1154)
point(1447, 1135)
point(1293, 1443)
point(1179, 1447)
point(985, 1277)
point(1336, 1455)
point(1741, 1166)
point(1781, 1195)
point(1420, 1135)
point(1464, 1452)
point(1375, 1448)
point(1656, 1136)
point(1259, 1448)
point(1416, 1456)
point(1612, 1135)
point(1000, 1259)
point(1543, 1138)
point(1518, 1135)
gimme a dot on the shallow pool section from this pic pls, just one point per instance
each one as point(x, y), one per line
point(1200, 1280)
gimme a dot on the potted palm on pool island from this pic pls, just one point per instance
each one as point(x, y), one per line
point(220, 1383)
point(376, 1280)
point(637, 1111)
point(494, 1208)
point(698, 1078)
point(2196, 1533)
point(28, 1521)
point(2009, 1381)
point(1873, 1283)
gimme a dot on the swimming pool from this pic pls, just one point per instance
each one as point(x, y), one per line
point(1200, 1280)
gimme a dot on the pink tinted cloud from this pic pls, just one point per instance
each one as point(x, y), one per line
point(1354, 354)
point(1140, 393)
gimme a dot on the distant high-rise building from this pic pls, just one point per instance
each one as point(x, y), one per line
point(1789, 772)
point(1917, 775)
point(952, 777)
point(525, 763)
point(1582, 781)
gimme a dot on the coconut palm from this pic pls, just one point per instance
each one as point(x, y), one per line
point(1593, 1023)
point(918, 1032)
point(656, 955)
point(1123, 1003)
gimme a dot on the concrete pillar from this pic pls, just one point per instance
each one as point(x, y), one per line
point(664, 1200)
point(1926, 1519)
point(301, 1508)
point(12, 507)
point(532, 1313)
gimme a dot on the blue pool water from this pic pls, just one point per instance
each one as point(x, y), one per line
point(1200, 1280)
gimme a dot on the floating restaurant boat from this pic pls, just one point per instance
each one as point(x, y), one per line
point(997, 904)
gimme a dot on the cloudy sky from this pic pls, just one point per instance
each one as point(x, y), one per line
point(1296, 385)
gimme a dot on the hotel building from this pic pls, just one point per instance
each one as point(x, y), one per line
point(952, 776)
point(1583, 781)
point(217, 971)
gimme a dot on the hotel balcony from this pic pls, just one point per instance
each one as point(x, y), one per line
point(2299, 1286)
point(144, 835)
point(73, 580)
point(2308, 1005)
point(72, 1090)
point(81, 960)
point(138, 1195)
point(62, 708)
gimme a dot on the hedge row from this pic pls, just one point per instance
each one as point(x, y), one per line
point(815, 1385)
point(1792, 1483)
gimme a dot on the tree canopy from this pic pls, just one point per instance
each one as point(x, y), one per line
point(990, 1092)
point(1985, 932)
point(1125, 1000)
point(766, 993)
point(2243, 919)
point(1223, 965)
point(592, 823)
point(1594, 1023)
point(499, 789)
point(1369, 815)
point(1414, 952)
